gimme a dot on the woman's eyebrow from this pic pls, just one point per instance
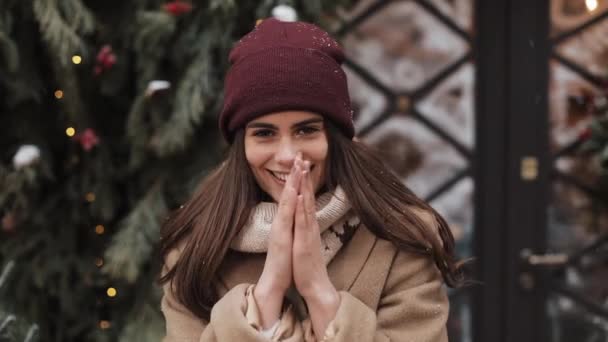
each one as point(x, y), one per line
point(260, 125)
point(306, 122)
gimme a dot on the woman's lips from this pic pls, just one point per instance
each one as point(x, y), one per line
point(281, 177)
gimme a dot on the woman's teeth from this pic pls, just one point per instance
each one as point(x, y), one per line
point(280, 176)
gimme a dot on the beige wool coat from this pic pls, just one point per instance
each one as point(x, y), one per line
point(386, 295)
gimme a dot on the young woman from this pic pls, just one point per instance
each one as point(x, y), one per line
point(301, 234)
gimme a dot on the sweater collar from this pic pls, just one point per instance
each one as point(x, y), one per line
point(253, 237)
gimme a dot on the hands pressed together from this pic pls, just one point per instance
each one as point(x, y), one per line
point(294, 255)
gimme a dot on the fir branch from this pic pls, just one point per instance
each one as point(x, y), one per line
point(191, 100)
point(312, 7)
point(137, 132)
point(15, 187)
point(195, 93)
point(61, 37)
point(8, 48)
point(9, 53)
point(264, 8)
point(223, 5)
point(11, 327)
point(8, 319)
point(31, 333)
point(5, 272)
point(154, 31)
point(132, 246)
point(77, 16)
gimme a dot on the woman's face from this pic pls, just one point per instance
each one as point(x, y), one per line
point(272, 142)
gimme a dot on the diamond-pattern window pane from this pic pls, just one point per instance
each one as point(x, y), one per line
point(575, 219)
point(589, 49)
point(569, 113)
point(577, 214)
point(421, 158)
point(568, 14)
point(461, 11)
point(403, 46)
point(582, 169)
point(367, 102)
point(451, 105)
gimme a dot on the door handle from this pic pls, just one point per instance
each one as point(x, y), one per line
point(548, 259)
point(532, 263)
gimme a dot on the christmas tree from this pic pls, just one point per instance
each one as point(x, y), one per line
point(108, 121)
point(11, 329)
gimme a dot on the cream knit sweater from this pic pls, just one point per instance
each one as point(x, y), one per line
point(336, 221)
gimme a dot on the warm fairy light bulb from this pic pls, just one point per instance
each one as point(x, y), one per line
point(76, 59)
point(70, 131)
point(90, 197)
point(111, 292)
point(104, 324)
point(591, 5)
point(98, 262)
point(99, 229)
point(58, 94)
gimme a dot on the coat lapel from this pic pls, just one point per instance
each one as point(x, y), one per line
point(348, 263)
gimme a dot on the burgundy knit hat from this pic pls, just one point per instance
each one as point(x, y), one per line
point(285, 66)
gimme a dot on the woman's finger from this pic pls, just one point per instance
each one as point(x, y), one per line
point(293, 179)
point(309, 199)
point(300, 218)
point(287, 203)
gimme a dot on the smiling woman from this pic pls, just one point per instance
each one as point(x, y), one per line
point(302, 233)
point(272, 142)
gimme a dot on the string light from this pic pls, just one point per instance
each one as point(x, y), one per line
point(90, 197)
point(111, 292)
point(103, 324)
point(591, 5)
point(99, 229)
point(98, 262)
point(58, 94)
point(76, 59)
point(70, 131)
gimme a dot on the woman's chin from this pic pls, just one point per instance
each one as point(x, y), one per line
point(272, 195)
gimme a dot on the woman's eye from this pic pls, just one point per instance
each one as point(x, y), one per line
point(263, 133)
point(307, 130)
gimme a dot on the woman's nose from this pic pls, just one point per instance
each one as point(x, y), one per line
point(286, 154)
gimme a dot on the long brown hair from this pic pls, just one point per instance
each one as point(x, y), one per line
point(207, 223)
